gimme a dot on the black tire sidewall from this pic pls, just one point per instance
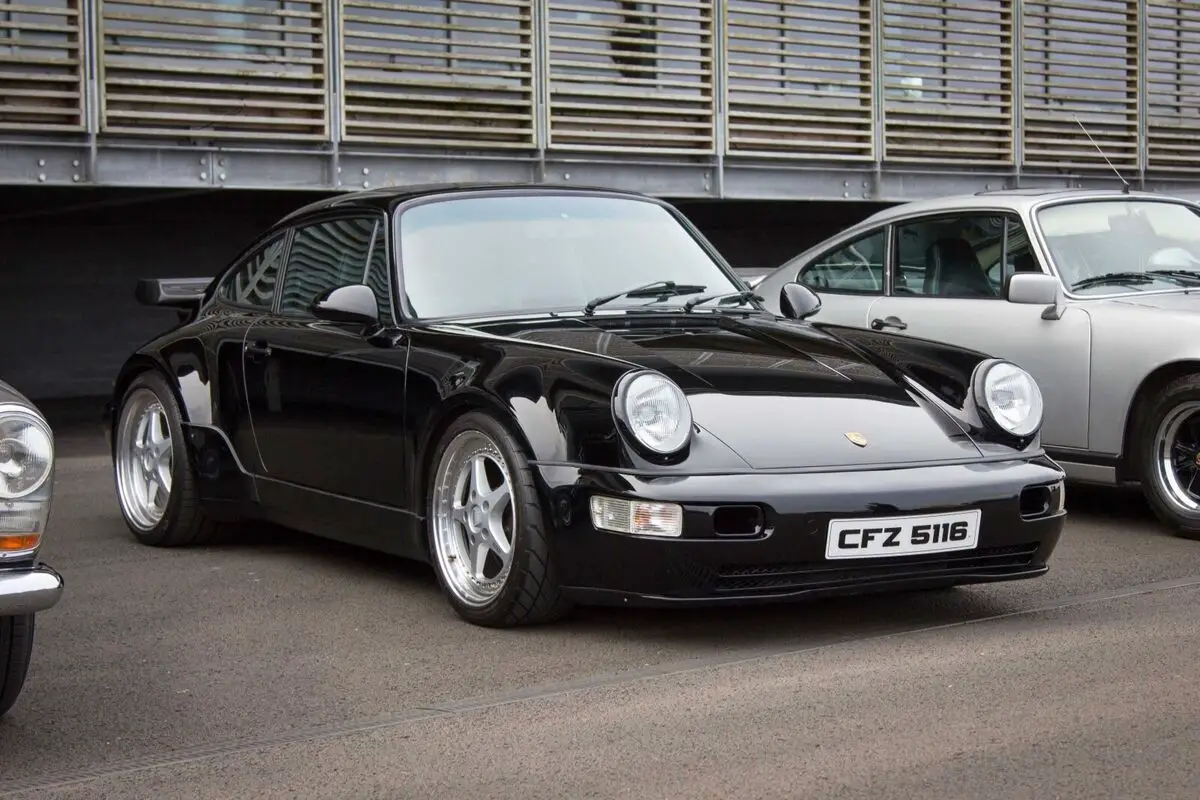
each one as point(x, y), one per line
point(1183, 391)
point(499, 610)
point(179, 464)
point(16, 652)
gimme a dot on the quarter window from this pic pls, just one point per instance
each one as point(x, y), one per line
point(329, 255)
point(965, 256)
point(856, 267)
point(253, 282)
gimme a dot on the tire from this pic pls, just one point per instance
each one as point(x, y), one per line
point(16, 650)
point(523, 589)
point(1178, 400)
point(182, 521)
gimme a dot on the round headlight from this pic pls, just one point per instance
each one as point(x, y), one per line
point(1013, 399)
point(26, 452)
point(656, 411)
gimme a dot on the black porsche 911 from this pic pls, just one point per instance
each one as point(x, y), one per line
point(560, 395)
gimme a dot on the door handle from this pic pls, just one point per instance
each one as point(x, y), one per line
point(259, 349)
point(888, 322)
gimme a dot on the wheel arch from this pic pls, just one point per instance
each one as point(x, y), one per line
point(451, 409)
point(136, 365)
point(1129, 464)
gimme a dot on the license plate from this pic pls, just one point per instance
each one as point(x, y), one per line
point(880, 537)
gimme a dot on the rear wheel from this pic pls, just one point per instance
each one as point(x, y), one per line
point(16, 650)
point(155, 485)
point(1169, 454)
point(487, 529)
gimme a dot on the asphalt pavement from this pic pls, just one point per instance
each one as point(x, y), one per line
point(291, 667)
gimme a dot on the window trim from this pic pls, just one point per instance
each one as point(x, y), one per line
point(888, 238)
point(1009, 216)
point(332, 215)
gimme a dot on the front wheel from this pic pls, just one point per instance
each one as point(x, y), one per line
point(487, 529)
point(1169, 442)
point(16, 650)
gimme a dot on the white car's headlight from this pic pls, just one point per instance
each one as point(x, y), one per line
point(26, 452)
point(1011, 397)
point(655, 410)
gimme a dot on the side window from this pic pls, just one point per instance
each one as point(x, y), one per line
point(965, 255)
point(327, 255)
point(252, 283)
point(855, 267)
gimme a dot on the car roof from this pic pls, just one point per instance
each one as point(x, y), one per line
point(1017, 200)
point(389, 197)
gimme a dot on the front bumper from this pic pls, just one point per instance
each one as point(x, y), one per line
point(27, 590)
point(786, 558)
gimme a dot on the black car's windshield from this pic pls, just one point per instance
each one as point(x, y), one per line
point(1121, 246)
point(500, 254)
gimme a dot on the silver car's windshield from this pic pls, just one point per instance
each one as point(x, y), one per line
point(503, 254)
point(1121, 246)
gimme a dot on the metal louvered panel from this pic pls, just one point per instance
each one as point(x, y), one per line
point(447, 73)
point(631, 76)
point(949, 81)
point(1081, 60)
point(1173, 84)
point(41, 85)
point(248, 69)
point(800, 78)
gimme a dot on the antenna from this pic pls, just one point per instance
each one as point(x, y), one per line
point(1101, 152)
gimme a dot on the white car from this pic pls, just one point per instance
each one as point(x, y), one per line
point(1095, 293)
point(26, 486)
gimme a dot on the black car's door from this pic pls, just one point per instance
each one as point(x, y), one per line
point(244, 297)
point(326, 404)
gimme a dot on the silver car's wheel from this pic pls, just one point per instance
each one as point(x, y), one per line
point(1177, 456)
point(144, 458)
point(474, 518)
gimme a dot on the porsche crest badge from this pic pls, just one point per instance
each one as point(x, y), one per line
point(856, 438)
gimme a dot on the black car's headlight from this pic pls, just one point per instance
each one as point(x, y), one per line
point(26, 463)
point(654, 410)
point(1009, 398)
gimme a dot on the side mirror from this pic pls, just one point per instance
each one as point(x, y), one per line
point(353, 304)
point(1033, 289)
point(798, 301)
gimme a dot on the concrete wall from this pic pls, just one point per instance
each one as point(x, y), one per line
point(69, 260)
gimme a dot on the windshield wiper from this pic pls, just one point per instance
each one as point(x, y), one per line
point(1177, 274)
point(655, 289)
point(741, 297)
point(1131, 278)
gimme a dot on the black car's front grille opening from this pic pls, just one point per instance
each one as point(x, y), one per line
point(1036, 501)
point(784, 577)
point(737, 521)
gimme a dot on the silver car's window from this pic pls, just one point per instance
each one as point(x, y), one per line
point(503, 254)
point(856, 267)
point(963, 255)
point(1122, 246)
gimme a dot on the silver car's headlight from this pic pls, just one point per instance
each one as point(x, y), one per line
point(26, 452)
point(26, 463)
point(654, 410)
point(1011, 398)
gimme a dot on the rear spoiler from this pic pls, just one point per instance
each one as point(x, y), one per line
point(171, 292)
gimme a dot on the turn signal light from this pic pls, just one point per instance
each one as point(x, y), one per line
point(638, 517)
point(15, 543)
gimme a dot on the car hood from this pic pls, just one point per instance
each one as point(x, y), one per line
point(1183, 301)
point(779, 395)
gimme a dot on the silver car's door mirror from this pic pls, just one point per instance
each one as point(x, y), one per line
point(1037, 289)
point(1033, 289)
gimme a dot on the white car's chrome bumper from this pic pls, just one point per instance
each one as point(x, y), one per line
point(28, 590)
